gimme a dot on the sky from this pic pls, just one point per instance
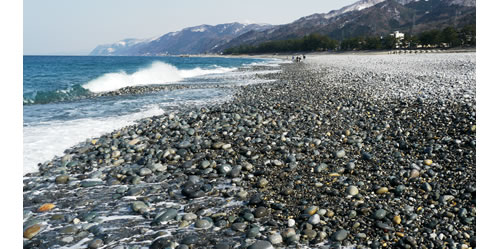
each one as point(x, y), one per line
point(76, 27)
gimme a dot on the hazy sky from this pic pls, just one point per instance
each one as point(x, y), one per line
point(78, 26)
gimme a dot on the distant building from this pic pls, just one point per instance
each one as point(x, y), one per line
point(399, 38)
point(398, 35)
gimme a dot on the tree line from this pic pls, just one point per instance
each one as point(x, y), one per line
point(448, 37)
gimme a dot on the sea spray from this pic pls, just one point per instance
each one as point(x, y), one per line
point(157, 73)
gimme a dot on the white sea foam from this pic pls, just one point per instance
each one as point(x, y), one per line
point(158, 73)
point(44, 141)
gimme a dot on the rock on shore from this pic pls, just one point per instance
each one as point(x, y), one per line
point(373, 151)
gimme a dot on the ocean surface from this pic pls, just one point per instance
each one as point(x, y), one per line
point(60, 109)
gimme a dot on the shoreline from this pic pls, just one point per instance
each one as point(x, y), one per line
point(334, 153)
point(284, 56)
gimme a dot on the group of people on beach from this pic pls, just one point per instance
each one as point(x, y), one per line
point(298, 58)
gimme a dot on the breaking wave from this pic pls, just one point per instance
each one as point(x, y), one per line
point(157, 73)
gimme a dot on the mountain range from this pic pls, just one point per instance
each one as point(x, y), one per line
point(192, 40)
point(362, 18)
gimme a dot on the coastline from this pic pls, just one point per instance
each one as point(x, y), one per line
point(335, 152)
point(284, 56)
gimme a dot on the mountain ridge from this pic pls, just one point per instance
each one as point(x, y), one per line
point(362, 18)
point(190, 40)
point(374, 18)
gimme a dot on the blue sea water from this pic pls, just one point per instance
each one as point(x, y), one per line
point(59, 112)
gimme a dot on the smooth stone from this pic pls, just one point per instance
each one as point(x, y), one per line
point(248, 216)
point(134, 141)
point(291, 222)
point(382, 190)
point(263, 182)
point(277, 163)
point(289, 232)
point(384, 226)
point(161, 243)
point(329, 213)
point(235, 171)
point(94, 244)
point(242, 194)
point(311, 210)
point(351, 166)
point(340, 154)
point(310, 234)
point(275, 238)
point(352, 190)
point(69, 230)
point(224, 169)
point(247, 166)
point(320, 168)
point(340, 235)
point(165, 215)
point(322, 212)
point(183, 224)
point(190, 240)
point(352, 214)
point(428, 162)
point(252, 232)
point(261, 244)
point(293, 239)
point(217, 145)
point(193, 190)
point(356, 224)
point(31, 231)
point(57, 217)
point(361, 235)
point(158, 167)
point(45, 207)
point(68, 239)
point(322, 236)
point(137, 206)
point(205, 164)
point(135, 191)
point(366, 156)
point(414, 173)
point(202, 223)
point(239, 226)
point(446, 198)
point(426, 186)
point(261, 212)
point(91, 183)
point(189, 217)
point(396, 220)
point(184, 145)
point(115, 154)
point(222, 245)
point(400, 189)
point(145, 172)
point(62, 179)
point(380, 214)
point(315, 219)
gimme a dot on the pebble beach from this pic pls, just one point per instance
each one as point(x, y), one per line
point(337, 151)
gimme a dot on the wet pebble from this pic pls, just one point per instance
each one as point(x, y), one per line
point(261, 244)
point(340, 235)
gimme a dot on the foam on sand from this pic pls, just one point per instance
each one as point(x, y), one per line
point(44, 141)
